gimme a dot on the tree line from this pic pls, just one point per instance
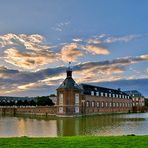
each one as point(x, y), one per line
point(37, 101)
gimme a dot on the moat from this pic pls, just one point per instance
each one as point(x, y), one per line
point(100, 125)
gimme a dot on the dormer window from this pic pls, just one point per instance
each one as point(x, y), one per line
point(110, 95)
point(92, 93)
point(97, 93)
point(105, 94)
point(102, 94)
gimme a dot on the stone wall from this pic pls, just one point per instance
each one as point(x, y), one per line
point(37, 110)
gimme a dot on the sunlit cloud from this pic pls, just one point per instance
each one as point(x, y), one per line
point(96, 50)
point(27, 51)
point(71, 52)
point(29, 60)
point(77, 40)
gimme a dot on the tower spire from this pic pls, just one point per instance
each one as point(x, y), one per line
point(69, 71)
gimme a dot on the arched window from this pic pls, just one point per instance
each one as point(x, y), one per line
point(102, 104)
point(87, 104)
point(92, 103)
point(98, 104)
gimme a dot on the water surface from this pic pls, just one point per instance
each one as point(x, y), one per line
point(121, 124)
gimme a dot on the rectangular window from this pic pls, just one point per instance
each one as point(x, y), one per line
point(61, 99)
point(120, 104)
point(106, 104)
point(105, 94)
point(87, 104)
point(116, 95)
point(76, 109)
point(77, 99)
point(117, 104)
point(102, 104)
point(60, 109)
point(97, 104)
point(110, 95)
point(110, 104)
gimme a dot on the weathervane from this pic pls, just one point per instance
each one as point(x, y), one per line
point(69, 65)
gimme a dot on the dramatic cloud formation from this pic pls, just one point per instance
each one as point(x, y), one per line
point(29, 60)
point(32, 52)
point(91, 72)
point(27, 51)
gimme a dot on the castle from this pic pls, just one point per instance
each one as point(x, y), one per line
point(84, 99)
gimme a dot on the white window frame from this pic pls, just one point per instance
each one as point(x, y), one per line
point(110, 95)
point(61, 110)
point(61, 96)
point(98, 104)
point(92, 93)
point(76, 109)
point(106, 95)
point(77, 98)
point(97, 93)
point(93, 104)
point(101, 94)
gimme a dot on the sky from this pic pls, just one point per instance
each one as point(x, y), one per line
point(105, 40)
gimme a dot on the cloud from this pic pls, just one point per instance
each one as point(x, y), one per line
point(12, 81)
point(96, 50)
point(70, 52)
point(77, 40)
point(108, 39)
point(29, 60)
point(60, 27)
point(27, 51)
point(112, 39)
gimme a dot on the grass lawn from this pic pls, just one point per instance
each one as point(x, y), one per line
point(76, 142)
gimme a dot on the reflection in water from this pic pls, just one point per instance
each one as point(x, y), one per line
point(122, 124)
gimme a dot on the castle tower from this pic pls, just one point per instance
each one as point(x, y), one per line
point(68, 96)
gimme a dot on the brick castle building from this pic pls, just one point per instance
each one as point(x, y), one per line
point(84, 99)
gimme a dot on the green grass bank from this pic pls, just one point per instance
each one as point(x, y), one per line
point(76, 142)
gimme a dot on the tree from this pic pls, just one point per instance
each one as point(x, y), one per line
point(146, 102)
point(19, 103)
point(32, 103)
point(52, 95)
point(44, 100)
